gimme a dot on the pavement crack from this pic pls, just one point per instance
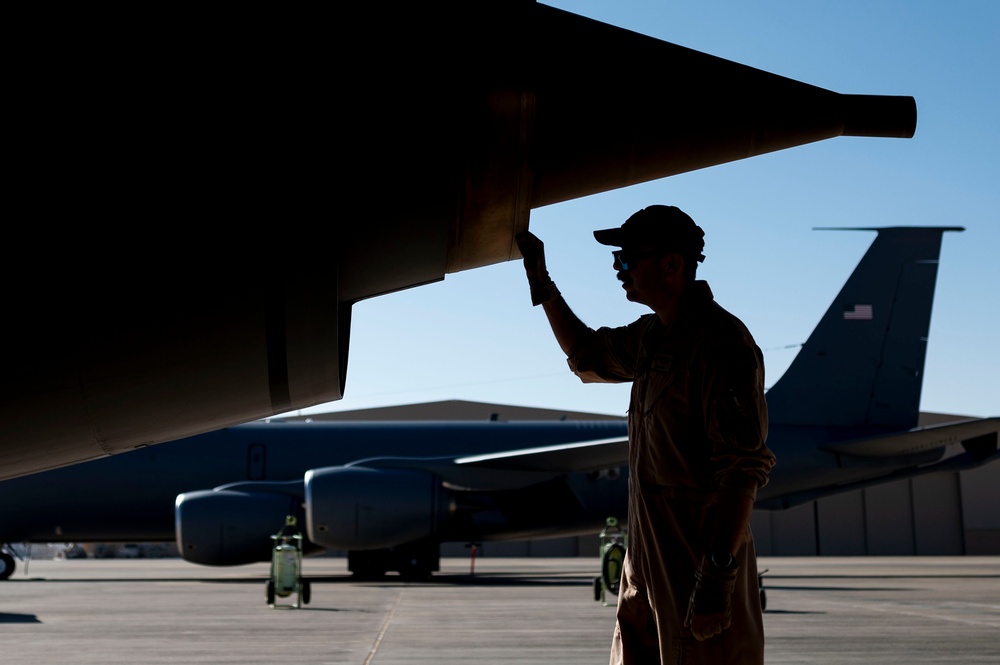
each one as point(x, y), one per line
point(385, 627)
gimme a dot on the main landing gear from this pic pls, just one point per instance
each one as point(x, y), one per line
point(7, 565)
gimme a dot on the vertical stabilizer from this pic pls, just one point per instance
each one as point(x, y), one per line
point(863, 364)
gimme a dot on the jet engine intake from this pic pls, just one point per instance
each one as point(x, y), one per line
point(230, 527)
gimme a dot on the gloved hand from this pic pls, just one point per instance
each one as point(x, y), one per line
point(543, 289)
point(710, 608)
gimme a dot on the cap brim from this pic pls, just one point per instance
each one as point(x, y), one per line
point(613, 237)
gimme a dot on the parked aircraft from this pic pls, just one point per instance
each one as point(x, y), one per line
point(169, 147)
point(842, 416)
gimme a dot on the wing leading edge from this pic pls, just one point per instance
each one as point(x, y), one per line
point(512, 469)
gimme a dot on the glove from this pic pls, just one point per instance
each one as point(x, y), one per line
point(543, 289)
point(710, 608)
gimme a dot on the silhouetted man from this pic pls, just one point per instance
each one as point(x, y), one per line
point(697, 454)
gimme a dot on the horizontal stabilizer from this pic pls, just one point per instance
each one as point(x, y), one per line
point(919, 439)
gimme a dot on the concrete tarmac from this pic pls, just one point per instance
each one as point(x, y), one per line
point(536, 611)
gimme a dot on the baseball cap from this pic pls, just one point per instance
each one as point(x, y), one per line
point(660, 226)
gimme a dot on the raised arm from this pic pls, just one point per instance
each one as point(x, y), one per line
point(568, 329)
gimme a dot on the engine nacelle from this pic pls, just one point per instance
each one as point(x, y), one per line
point(229, 527)
point(359, 508)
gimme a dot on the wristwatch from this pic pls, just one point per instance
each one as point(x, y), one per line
point(722, 561)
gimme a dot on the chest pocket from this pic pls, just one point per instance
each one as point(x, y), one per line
point(660, 376)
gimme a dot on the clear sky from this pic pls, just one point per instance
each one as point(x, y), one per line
point(475, 336)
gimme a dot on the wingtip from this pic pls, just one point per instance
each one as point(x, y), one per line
point(888, 228)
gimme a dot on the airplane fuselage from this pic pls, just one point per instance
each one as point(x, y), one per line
point(130, 497)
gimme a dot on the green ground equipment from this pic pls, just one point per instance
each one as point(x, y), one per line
point(286, 568)
point(613, 540)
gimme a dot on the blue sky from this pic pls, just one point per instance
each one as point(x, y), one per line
point(475, 335)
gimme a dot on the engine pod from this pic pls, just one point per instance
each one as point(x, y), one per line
point(230, 528)
point(359, 508)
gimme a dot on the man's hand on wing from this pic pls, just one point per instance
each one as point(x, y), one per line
point(533, 252)
point(543, 289)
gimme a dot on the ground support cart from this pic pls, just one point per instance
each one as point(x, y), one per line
point(286, 572)
point(614, 540)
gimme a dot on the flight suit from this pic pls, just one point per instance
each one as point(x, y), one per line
point(697, 422)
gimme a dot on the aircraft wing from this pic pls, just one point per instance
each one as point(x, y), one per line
point(978, 436)
point(904, 455)
point(137, 353)
point(581, 456)
point(512, 469)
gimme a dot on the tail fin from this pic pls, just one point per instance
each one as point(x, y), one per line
point(864, 362)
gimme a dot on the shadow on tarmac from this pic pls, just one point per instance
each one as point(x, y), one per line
point(18, 618)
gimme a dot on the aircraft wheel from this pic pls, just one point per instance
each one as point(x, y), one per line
point(7, 565)
point(597, 588)
point(415, 571)
point(306, 591)
point(270, 592)
point(368, 565)
point(368, 570)
point(368, 575)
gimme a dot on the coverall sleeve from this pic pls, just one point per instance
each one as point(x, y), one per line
point(607, 355)
point(736, 417)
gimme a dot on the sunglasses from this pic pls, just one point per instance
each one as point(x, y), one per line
point(628, 260)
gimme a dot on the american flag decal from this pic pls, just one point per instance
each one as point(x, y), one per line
point(858, 313)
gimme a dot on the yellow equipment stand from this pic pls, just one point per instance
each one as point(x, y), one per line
point(614, 541)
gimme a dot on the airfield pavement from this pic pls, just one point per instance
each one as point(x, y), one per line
point(883, 610)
